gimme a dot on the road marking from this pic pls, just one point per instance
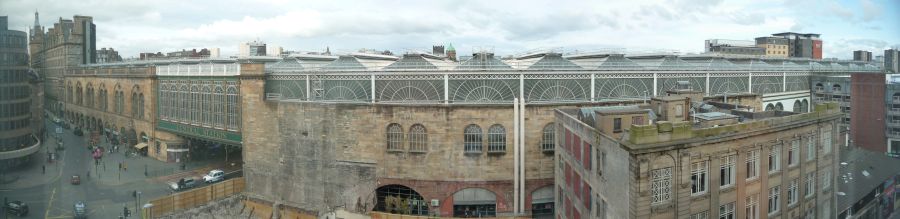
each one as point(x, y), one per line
point(61, 216)
point(50, 204)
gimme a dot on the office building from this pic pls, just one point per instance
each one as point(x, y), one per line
point(863, 56)
point(775, 46)
point(803, 45)
point(255, 48)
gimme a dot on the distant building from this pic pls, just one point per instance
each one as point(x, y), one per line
point(775, 46)
point(739, 47)
point(892, 60)
point(273, 50)
point(255, 48)
point(437, 50)
point(861, 55)
point(108, 55)
point(681, 157)
point(67, 44)
point(451, 52)
point(150, 55)
point(215, 53)
point(803, 45)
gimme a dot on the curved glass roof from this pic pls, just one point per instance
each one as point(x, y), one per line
point(483, 61)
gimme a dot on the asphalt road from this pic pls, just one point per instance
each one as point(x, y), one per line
point(57, 198)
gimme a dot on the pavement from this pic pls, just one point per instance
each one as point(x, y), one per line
point(106, 191)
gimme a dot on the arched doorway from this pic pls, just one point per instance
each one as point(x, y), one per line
point(770, 107)
point(779, 107)
point(805, 105)
point(542, 203)
point(474, 202)
point(398, 199)
point(798, 107)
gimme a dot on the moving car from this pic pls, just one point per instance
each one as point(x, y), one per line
point(76, 180)
point(17, 208)
point(80, 210)
point(214, 176)
point(183, 184)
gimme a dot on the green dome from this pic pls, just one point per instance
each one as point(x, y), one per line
point(450, 47)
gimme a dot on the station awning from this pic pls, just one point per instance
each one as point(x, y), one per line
point(140, 145)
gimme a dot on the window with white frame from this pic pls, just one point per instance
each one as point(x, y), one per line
point(700, 215)
point(726, 211)
point(773, 200)
point(549, 137)
point(775, 158)
point(472, 139)
point(418, 138)
point(752, 210)
point(496, 138)
point(726, 171)
point(752, 164)
point(660, 185)
point(698, 177)
point(793, 153)
point(826, 180)
point(792, 193)
point(394, 137)
point(810, 184)
point(811, 148)
point(826, 142)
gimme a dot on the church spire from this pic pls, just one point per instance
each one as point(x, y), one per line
point(36, 21)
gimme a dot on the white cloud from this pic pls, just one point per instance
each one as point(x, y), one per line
point(509, 26)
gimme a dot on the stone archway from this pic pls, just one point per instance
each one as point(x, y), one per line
point(399, 199)
point(474, 202)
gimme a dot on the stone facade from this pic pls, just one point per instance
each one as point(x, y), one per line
point(67, 44)
point(659, 171)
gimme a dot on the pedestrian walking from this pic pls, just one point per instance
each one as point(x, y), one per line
point(44, 169)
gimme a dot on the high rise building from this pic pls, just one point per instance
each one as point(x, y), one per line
point(775, 46)
point(215, 53)
point(255, 48)
point(861, 55)
point(68, 43)
point(892, 60)
point(18, 122)
point(803, 45)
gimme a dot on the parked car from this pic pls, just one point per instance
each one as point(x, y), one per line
point(80, 210)
point(214, 176)
point(76, 180)
point(183, 184)
point(17, 208)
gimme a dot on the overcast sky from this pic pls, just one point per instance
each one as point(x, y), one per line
point(508, 27)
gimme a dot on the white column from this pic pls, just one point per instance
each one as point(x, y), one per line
point(707, 85)
point(750, 82)
point(446, 88)
point(307, 88)
point(655, 76)
point(522, 157)
point(516, 155)
point(783, 82)
point(372, 85)
point(593, 80)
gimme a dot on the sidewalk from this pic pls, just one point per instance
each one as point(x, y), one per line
point(140, 168)
point(31, 174)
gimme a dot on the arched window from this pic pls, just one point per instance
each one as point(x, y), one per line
point(399, 199)
point(163, 100)
point(134, 105)
point(205, 106)
point(497, 139)
point(836, 87)
point(195, 105)
point(542, 202)
point(78, 94)
point(219, 105)
point(472, 139)
point(770, 107)
point(779, 107)
point(140, 106)
point(418, 138)
point(233, 108)
point(394, 137)
point(797, 106)
point(896, 97)
point(548, 141)
point(804, 105)
point(104, 101)
point(183, 106)
point(90, 95)
point(474, 202)
point(819, 87)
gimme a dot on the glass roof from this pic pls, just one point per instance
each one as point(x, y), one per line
point(713, 63)
point(287, 64)
point(483, 61)
point(618, 62)
point(345, 63)
point(664, 63)
point(411, 61)
point(553, 61)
